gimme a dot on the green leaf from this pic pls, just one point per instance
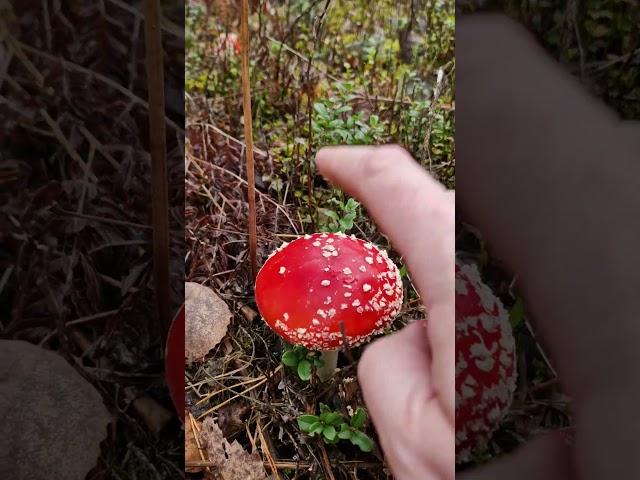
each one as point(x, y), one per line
point(290, 358)
point(516, 315)
point(304, 370)
point(345, 225)
point(331, 418)
point(359, 418)
point(301, 351)
point(349, 217)
point(361, 440)
point(316, 428)
point(329, 432)
point(321, 109)
point(329, 213)
point(345, 432)
point(351, 205)
point(324, 408)
point(305, 422)
point(403, 271)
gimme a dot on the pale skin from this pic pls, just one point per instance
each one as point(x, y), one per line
point(408, 378)
point(572, 238)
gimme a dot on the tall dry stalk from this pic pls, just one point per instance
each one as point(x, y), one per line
point(248, 135)
point(158, 145)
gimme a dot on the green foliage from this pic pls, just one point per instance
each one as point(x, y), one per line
point(596, 39)
point(403, 271)
point(333, 427)
point(302, 361)
point(340, 220)
point(516, 314)
point(335, 123)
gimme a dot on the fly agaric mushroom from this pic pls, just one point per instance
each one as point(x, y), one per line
point(326, 290)
point(174, 362)
point(485, 362)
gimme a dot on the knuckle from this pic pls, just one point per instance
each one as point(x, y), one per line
point(384, 160)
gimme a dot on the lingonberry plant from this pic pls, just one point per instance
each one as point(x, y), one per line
point(332, 427)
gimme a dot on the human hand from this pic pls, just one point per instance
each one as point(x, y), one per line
point(408, 378)
point(549, 176)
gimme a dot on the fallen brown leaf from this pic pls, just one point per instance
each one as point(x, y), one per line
point(53, 420)
point(207, 319)
point(230, 460)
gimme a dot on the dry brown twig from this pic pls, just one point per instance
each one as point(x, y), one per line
point(248, 136)
point(158, 146)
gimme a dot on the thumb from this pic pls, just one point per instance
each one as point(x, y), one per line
point(547, 457)
point(416, 436)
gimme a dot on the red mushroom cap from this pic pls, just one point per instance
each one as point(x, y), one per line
point(485, 362)
point(174, 362)
point(306, 289)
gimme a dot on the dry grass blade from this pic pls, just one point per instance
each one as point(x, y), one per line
point(158, 144)
point(248, 134)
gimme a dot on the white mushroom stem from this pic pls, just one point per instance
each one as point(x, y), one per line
point(330, 363)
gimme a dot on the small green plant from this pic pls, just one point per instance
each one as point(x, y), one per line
point(301, 361)
point(335, 123)
point(340, 220)
point(333, 427)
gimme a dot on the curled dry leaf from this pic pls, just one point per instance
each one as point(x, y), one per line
point(53, 420)
point(207, 319)
point(230, 460)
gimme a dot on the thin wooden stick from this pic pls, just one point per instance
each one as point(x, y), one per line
point(248, 136)
point(158, 146)
point(267, 452)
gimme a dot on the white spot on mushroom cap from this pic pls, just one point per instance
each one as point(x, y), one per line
point(282, 270)
point(325, 283)
point(366, 287)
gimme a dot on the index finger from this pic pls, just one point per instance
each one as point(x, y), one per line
point(418, 215)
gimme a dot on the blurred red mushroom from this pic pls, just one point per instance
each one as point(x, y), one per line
point(227, 43)
point(485, 362)
point(174, 362)
point(327, 290)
